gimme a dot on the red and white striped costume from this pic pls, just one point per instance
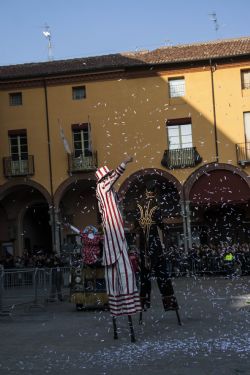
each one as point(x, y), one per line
point(120, 279)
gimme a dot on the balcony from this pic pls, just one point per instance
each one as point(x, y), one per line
point(15, 168)
point(82, 163)
point(243, 153)
point(181, 158)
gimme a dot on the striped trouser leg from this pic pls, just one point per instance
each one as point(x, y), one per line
point(121, 287)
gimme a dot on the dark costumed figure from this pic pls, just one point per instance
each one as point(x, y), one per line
point(120, 278)
point(153, 261)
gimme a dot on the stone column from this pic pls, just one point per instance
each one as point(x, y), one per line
point(184, 219)
point(188, 223)
point(55, 229)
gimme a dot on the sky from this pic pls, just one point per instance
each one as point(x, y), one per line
point(81, 28)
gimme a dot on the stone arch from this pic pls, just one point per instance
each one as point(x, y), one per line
point(139, 175)
point(11, 186)
point(206, 172)
point(217, 198)
point(15, 195)
point(65, 185)
point(169, 197)
point(76, 203)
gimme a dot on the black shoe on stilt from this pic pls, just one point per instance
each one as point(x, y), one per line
point(145, 303)
point(170, 303)
point(115, 328)
point(131, 329)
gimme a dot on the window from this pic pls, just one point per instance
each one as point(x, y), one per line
point(245, 79)
point(78, 92)
point(83, 157)
point(81, 140)
point(179, 134)
point(180, 153)
point(247, 133)
point(15, 98)
point(176, 87)
point(243, 149)
point(246, 117)
point(19, 163)
point(18, 145)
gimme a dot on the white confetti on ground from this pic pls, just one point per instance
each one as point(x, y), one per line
point(138, 354)
point(150, 351)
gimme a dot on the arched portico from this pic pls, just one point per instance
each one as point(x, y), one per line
point(76, 204)
point(71, 181)
point(170, 196)
point(17, 198)
point(217, 203)
point(210, 174)
point(11, 186)
point(146, 174)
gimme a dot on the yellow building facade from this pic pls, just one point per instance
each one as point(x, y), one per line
point(183, 113)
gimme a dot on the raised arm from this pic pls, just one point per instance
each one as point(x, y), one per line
point(119, 170)
point(74, 229)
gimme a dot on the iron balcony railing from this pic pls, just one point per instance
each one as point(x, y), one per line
point(243, 153)
point(14, 168)
point(181, 158)
point(82, 163)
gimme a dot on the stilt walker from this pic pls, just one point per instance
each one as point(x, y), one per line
point(120, 279)
point(152, 257)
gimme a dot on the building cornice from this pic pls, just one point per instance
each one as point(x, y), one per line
point(124, 73)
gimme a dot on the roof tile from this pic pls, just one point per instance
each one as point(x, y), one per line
point(167, 55)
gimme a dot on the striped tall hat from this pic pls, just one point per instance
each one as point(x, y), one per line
point(102, 172)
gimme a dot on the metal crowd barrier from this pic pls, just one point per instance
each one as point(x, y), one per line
point(32, 287)
point(205, 265)
point(36, 286)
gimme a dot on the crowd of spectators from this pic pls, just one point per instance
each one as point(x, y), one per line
point(198, 260)
point(210, 258)
point(38, 260)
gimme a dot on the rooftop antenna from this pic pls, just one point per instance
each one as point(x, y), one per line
point(47, 35)
point(213, 18)
point(167, 42)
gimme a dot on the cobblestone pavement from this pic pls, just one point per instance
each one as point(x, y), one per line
point(214, 338)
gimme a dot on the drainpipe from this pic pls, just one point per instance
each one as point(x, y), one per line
point(212, 70)
point(52, 208)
